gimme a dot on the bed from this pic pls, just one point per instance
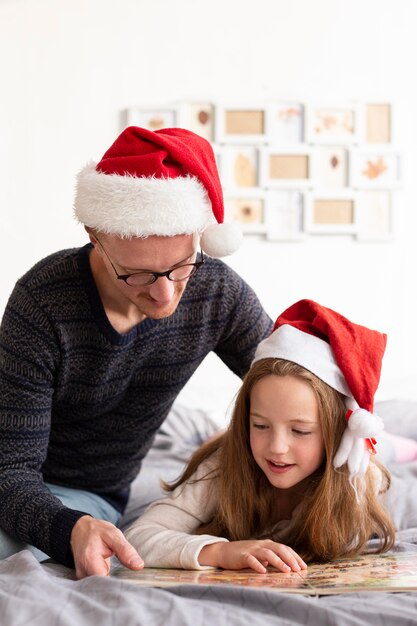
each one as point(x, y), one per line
point(47, 595)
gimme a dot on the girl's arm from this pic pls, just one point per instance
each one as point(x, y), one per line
point(165, 534)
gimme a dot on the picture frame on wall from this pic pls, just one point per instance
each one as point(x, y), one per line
point(375, 215)
point(239, 166)
point(331, 213)
point(331, 166)
point(153, 118)
point(286, 168)
point(373, 167)
point(286, 123)
point(333, 124)
point(378, 124)
point(241, 124)
point(284, 215)
point(248, 210)
point(199, 117)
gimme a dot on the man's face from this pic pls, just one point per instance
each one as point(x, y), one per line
point(157, 254)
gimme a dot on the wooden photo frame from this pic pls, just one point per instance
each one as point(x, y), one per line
point(375, 215)
point(153, 118)
point(248, 210)
point(241, 124)
point(284, 215)
point(373, 167)
point(280, 168)
point(335, 124)
point(331, 213)
point(286, 123)
point(199, 117)
point(378, 123)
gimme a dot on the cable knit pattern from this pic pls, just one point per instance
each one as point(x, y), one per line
point(80, 403)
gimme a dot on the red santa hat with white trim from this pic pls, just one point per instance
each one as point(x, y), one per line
point(162, 183)
point(346, 356)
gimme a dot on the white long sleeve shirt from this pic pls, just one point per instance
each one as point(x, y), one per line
point(163, 535)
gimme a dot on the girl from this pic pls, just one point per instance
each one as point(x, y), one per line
point(293, 479)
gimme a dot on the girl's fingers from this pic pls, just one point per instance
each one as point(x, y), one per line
point(254, 564)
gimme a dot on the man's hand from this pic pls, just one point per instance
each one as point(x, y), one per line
point(94, 542)
point(254, 554)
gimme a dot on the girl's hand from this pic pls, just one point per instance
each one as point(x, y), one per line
point(253, 554)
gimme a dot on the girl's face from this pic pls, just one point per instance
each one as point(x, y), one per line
point(285, 432)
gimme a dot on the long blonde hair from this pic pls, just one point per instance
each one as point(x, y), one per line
point(332, 521)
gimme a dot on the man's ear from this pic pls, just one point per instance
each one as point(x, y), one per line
point(90, 234)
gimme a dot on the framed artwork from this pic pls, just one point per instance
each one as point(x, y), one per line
point(330, 166)
point(198, 117)
point(241, 124)
point(248, 211)
point(284, 215)
point(375, 168)
point(239, 166)
point(378, 128)
point(375, 215)
point(286, 123)
point(286, 168)
point(328, 213)
point(153, 118)
point(333, 124)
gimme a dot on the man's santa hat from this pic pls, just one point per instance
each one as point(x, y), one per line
point(157, 183)
point(346, 356)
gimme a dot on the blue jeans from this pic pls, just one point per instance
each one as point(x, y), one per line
point(72, 498)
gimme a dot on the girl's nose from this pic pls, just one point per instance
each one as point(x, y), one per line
point(279, 444)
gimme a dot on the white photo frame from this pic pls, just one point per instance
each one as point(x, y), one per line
point(286, 123)
point(286, 168)
point(241, 123)
point(153, 117)
point(284, 215)
point(375, 215)
point(248, 210)
point(331, 166)
point(199, 117)
point(239, 167)
point(375, 167)
point(334, 124)
point(331, 213)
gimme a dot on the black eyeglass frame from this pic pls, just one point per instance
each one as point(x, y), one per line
point(155, 275)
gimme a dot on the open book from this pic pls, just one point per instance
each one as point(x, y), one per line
point(386, 572)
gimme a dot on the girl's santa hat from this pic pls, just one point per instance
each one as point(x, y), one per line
point(346, 356)
point(157, 183)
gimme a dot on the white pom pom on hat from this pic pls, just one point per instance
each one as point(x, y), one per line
point(162, 183)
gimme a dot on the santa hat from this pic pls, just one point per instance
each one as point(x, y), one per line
point(157, 183)
point(346, 356)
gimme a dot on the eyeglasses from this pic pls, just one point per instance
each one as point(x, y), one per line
point(144, 278)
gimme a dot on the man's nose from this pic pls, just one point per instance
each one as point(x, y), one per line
point(162, 289)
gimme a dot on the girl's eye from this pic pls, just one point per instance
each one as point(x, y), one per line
point(301, 432)
point(260, 426)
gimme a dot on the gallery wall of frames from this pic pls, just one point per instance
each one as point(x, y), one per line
point(292, 170)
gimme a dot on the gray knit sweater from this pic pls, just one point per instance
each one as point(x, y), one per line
point(80, 403)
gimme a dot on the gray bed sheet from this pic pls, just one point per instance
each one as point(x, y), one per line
point(45, 594)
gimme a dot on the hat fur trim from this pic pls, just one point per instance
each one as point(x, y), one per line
point(129, 206)
point(309, 351)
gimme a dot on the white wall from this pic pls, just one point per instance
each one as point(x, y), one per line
point(68, 69)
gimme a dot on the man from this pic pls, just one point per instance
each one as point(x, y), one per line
point(97, 342)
